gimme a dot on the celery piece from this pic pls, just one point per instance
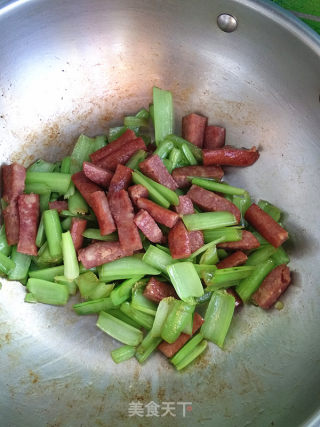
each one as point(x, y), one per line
point(144, 319)
point(122, 292)
point(163, 114)
point(70, 261)
point(147, 346)
point(123, 353)
point(48, 292)
point(119, 330)
point(94, 306)
point(125, 268)
point(52, 181)
point(185, 280)
point(208, 220)
point(22, 264)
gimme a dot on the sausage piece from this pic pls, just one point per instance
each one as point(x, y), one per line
point(185, 206)
point(29, 207)
point(158, 213)
point(59, 205)
point(180, 175)
point(230, 156)
point(100, 206)
point(266, 225)
point(247, 243)
point(214, 137)
point(122, 155)
point(128, 135)
point(13, 179)
point(193, 128)
point(170, 350)
point(233, 260)
point(122, 212)
point(11, 222)
point(211, 202)
point(96, 174)
point(196, 240)
point(272, 287)
point(84, 185)
point(154, 168)
point(99, 253)
point(148, 226)
point(178, 240)
point(155, 290)
point(121, 179)
point(137, 191)
point(78, 226)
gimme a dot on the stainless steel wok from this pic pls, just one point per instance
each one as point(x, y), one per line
point(78, 66)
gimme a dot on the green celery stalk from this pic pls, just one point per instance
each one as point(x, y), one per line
point(226, 277)
point(143, 114)
point(94, 233)
point(163, 114)
point(178, 142)
point(163, 248)
point(116, 312)
point(99, 142)
point(260, 255)
point(154, 194)
point(44, 200)
point(212, 185)
point(81, 152)
point(218, 317)
point(125, 268)
point(94, 306)
point(41, 235)
point(270, 209)
point(89, 217)
point(41, 166)
point(22, 264)
point(70, 192)
point(204, 248)
point(77, 204)
point(151, 112)
point(251, 283)
point(48, 292)
point(158, 259)
point(175, 157)
point(123, 353)
point(122, 292)
point(168, 165)
point(53, 181)
point(164, 307)
point(210, 256)
point(189, 325)
point(71, 266)
point(140, 302)
point(119, 330)
point(5, 249)
point(135, 122)
point(196, 352)
point(65, 165)
point(66, 223)
point(147, 346)
point(45, 259)
point(208, 220)
point(138, 157)
point(144, 319)
point(186, 349)
point(222, 253)
point(30, 298)
point(91, 287)
point(243, 203)
point(205, 297)
point(6, 264)
point(53, 231)
point(188, 154)
point(164, 149)
point(176, 320)
point(228, 234)
point(47, 273)
point(168, 194)
point(185, 280)
point(280, 257)
point(37, 188)
point(116, 132)
point(70, 284)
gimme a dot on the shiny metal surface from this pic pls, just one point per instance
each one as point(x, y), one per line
point(227, 23)
point(79, 66)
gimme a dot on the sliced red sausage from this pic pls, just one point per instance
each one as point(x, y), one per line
point(121, 179)
point(185, 206)
point(100, 253)
point(122, 212)
point(84, 185)
point(230, 156)
point(180, 175)
point(148, 226)
point(247, 243)
point(158, 213)
point(13, 179)
point(59, 205)
point(214, 137)
point(170, 350)
point(211, 202)
point(11, 222)
point(238, 300)
point(272, 287)
point(196, 240)
point(178, 240)
point(266, 225)
point(154, 168)
point(122, 155)
point(155, 290)
point(137, 191)
point(29, 207)
point(193, 127)
point(96, 174)
point(128, 135)
point(78, 226)
point(100, 206)
point(233, 260)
